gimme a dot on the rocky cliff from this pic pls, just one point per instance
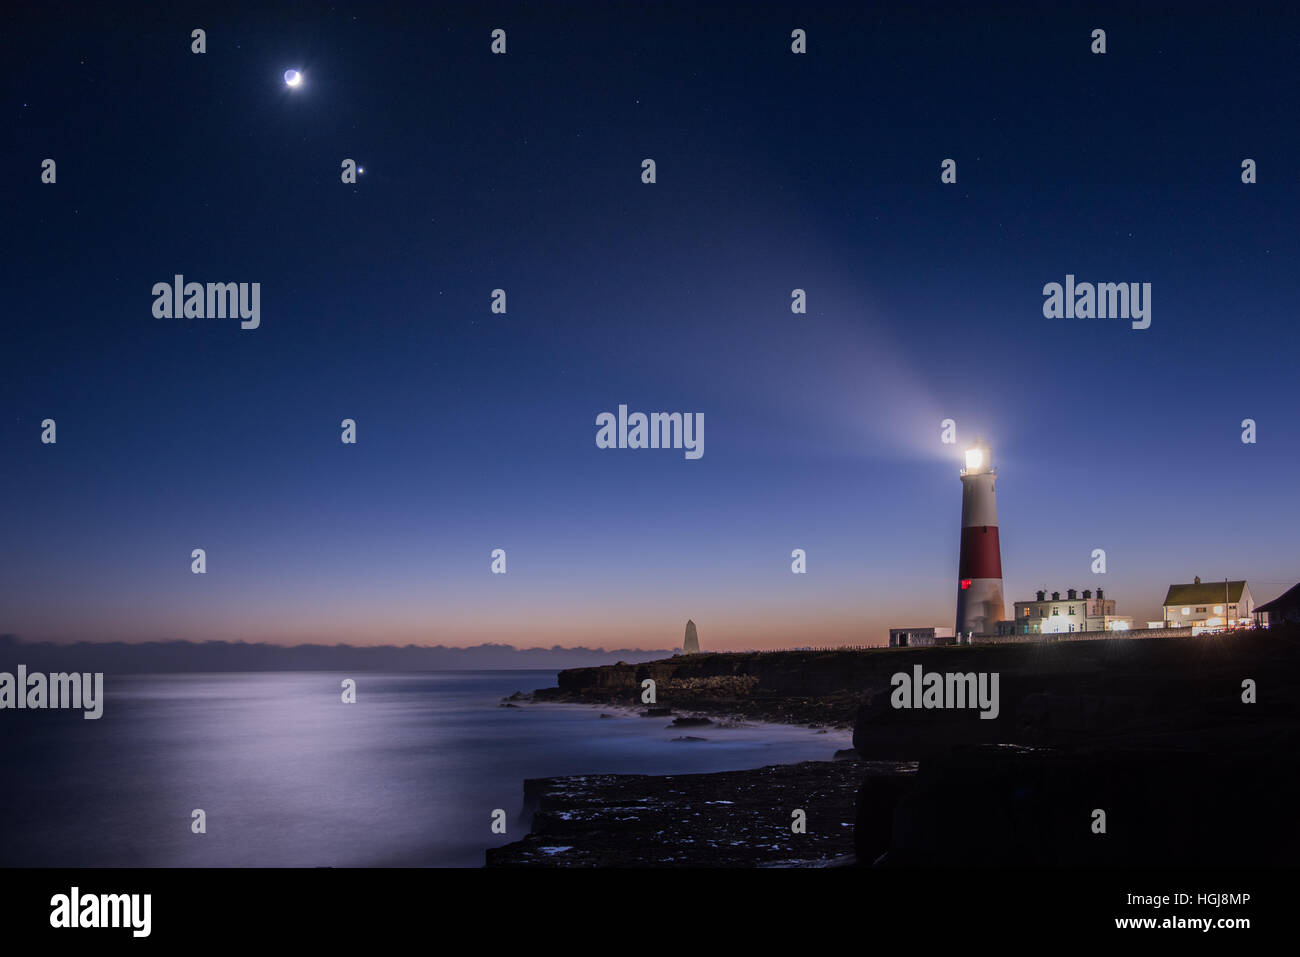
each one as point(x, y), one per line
point(1159, 734)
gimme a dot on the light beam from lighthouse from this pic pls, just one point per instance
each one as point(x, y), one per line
point(979, 567)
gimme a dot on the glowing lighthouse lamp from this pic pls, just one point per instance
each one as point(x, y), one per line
point(979, 565)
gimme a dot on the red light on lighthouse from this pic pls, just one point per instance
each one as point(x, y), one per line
point(965, 583)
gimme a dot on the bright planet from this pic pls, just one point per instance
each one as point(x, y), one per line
point(292, 78)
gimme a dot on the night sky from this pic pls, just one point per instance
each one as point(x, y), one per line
point(476, 431)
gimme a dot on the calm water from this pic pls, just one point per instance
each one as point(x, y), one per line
point(290, 776)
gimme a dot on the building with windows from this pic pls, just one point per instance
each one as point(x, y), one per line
point(1209, 605)
point(1285, 607)
point(920, 637)
point(1076, 612)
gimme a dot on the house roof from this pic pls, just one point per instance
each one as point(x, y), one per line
point(1204, 593)
point(1288, 599)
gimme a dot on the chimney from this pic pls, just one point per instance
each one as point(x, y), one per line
point(1099, 594)
point(1196, 580)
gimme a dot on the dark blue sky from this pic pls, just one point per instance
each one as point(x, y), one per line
point(522, 171)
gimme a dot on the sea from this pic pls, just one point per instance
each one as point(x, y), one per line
point(413, 774)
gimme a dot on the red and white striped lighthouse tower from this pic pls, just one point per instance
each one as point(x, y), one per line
point(979, 572)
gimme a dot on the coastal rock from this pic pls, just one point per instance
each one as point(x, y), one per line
point(689, 738)
point(1036, 808)
point(725, 819)
point(1072, 694)
point(604, 715)
point(820, 687)
point(1153, 731)
point(685, 722)
point(656, 712)
point(715, 684)
point(1077, 713)
point(878, 799)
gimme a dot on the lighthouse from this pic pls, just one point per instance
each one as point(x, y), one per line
point(979, 566)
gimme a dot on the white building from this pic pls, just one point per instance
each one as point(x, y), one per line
point(1209, 605)
point(919, 637)
point(1061, 616)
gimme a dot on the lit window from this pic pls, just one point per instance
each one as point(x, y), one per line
point(1218, 609)
point(1187, 611)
